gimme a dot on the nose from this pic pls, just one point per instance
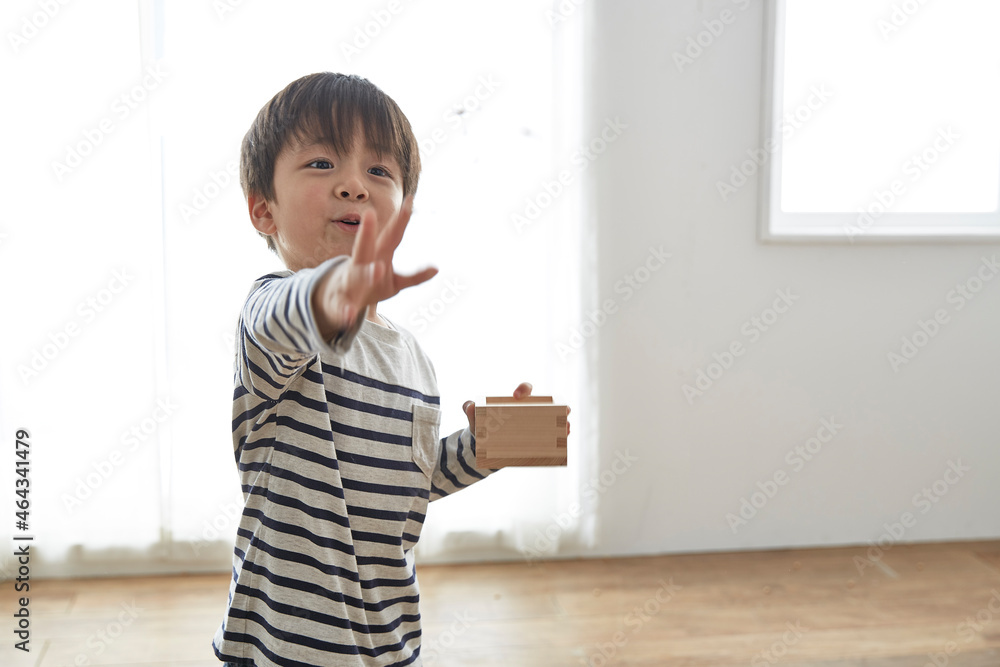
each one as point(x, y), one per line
point(351, 187)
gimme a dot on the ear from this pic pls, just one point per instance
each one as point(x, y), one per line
point(260, 215)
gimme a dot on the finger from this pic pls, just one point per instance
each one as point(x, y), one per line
point(469, 408)
point(523, 390)
point(402, 282)
point(364, 242)
point(391, 236)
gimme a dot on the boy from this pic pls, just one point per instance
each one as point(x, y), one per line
point(335, 409)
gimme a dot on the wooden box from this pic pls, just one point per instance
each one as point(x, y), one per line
point(528, 432)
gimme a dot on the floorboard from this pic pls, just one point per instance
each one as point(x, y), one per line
point(796, 608)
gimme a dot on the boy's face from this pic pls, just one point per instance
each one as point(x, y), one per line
point(320, 197)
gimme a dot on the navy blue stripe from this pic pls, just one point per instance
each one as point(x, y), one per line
point(301, 480)
point(308, 561)
point(286, 371)
point(262, 647)
point(331, 570)
point(376, 513)
point(295, 503)
point(384, 489)
point(298, 531)
point(299, 339)
point(368, 408)
point(315, 644)
point(250, 413)
point(305, 401)
point(377, 538)
point(469, 470)
point(326, 619)
point(381, 560)
point(351, 376)
point(333, 596)
point(258, 372)
point(446, 472)
point(311, 456)
point(377, 462)
point(303, 318)
point(307, 429)
point(366, 434)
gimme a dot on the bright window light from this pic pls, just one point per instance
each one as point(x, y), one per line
point(886, 119)
point(129, 399)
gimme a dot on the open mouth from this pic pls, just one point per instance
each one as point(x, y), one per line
point(350, 222)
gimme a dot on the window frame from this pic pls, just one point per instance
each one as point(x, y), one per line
point(777, 226)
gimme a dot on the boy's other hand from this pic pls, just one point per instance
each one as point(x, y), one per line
point(368, 276)
point(523, 390)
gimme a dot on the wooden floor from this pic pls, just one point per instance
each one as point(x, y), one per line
point(919, 605)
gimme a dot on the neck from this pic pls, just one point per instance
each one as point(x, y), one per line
point(373, 316)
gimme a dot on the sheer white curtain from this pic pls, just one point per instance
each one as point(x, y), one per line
point(126, 272)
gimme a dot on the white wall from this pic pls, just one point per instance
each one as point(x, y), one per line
point(825, 358)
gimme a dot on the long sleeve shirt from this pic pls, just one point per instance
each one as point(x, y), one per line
point(338, 454)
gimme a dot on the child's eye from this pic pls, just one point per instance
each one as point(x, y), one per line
point(321, 164)
point(378, 171)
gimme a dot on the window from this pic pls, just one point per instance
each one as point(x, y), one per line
point(127, 252)
point(881, 121)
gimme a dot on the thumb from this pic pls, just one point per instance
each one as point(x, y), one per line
point(469, 408)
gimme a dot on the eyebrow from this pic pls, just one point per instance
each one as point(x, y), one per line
point(311, 145)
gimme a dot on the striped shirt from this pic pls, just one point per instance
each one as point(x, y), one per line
point(338, 454)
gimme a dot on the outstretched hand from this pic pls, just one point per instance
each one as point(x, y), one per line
point(523, 390)
point(368, 276)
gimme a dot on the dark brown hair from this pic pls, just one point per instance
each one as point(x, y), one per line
point(326, 107)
